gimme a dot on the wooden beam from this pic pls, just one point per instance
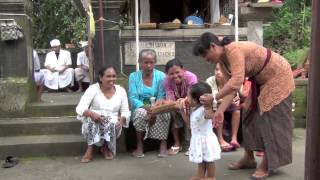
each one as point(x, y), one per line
point(312, 158)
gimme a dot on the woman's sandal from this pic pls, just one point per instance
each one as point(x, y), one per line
point(235, 145)
point(174, 150)
point(259, 153)
point(238, 165)
point(137, 155)
point(227, 148)
point(254, 176)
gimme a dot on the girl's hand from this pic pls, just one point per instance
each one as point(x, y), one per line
point(206, 99)
point(218, 118)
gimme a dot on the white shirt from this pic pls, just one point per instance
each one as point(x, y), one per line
point(82, 59)
point(53, 62)
point(95, 100)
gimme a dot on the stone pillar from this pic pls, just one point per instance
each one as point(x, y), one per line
point(111, 39)
point(255, 32)
point(16, 84)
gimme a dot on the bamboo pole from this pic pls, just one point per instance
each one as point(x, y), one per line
point(137, 33)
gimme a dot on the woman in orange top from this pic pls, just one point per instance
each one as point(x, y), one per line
point(268, 126)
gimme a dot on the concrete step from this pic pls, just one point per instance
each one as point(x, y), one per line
point(48, 145)
point(39, 126)
point(54, 104)
point(43, 145)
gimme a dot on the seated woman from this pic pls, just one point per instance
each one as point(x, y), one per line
point(217, 82)
point(143, 85)
point(103, 110)
point(177, 84)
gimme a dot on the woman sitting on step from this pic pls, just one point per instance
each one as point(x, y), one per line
point(103, 110)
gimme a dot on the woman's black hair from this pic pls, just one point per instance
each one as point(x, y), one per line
point(173, 62)
point(199, 89)
point(102, 70)
point(205, 40)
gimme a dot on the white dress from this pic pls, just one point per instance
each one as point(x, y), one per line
point(56, 80)
point(80, 73)
point(111, 108)
point(204, 145)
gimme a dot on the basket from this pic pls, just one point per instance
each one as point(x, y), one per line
point(169, 25)
point(147, 26)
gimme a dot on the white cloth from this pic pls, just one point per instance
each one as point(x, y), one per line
point(213, 84)
point(215, 11)
point(38, 75)
point(204, 145)
point(80, 73)
point(95, 100)
point(55, 43)
point(56, 80)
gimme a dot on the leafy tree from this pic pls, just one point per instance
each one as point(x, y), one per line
point(290, 32)
point(291, 27)
point(56, 19)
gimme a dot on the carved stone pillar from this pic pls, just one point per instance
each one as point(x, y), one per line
point(16, 84)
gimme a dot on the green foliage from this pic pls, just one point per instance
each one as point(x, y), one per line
point(56, 19)
point(290, 31)
point(296, 57)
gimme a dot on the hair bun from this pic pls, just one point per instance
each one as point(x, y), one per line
point(225, 41)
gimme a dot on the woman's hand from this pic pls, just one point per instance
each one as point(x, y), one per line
point(151, 116)
point(218, 118)
point(206, 99)
point(95, 117)
point(121, 121)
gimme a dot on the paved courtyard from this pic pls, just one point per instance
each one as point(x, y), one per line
point(125, 167)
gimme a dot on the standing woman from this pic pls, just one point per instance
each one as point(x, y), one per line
point(268, 126)
point(177, 84)
point(103, 110)
point(144, 85)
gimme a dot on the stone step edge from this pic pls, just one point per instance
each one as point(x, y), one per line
point(41, 139)
point(38, 120)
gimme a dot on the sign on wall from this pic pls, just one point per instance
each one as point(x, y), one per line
point(165, 51)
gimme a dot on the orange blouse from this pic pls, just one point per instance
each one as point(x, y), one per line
point(245, 59)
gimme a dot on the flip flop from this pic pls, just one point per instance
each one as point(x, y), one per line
point(186, 153)
point(227, 148)
point(137, 155)
point(162, 155)
point(237, 166)
point(10, 162)
point(235, 145)
point(174, 150)
point(259, 153)
point(253, 176)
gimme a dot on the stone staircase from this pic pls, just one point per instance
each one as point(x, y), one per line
point(49, 128)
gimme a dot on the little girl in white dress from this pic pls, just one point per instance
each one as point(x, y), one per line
point(204, 146)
